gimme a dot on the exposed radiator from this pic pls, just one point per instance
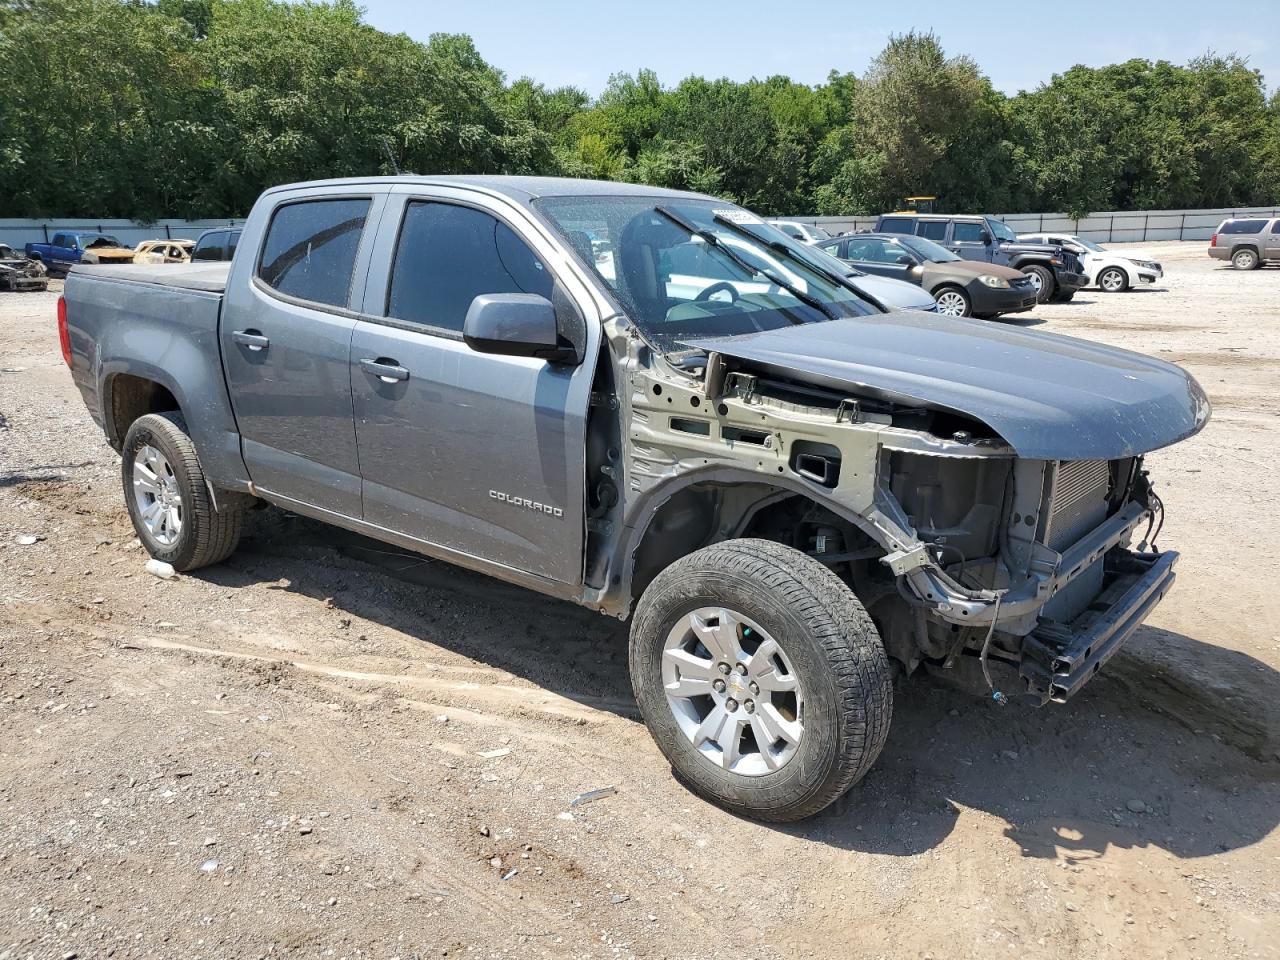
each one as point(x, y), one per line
point(1077, 504)
point(1078, 501)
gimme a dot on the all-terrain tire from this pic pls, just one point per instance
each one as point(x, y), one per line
point(208, 535)
point(833, 649)
point(1048, 285)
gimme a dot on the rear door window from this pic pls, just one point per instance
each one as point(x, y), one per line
point(310, 249)
point(448, 255)
point(895, 225)
point(210, 246)
point(932, 230)
point(1243, 226)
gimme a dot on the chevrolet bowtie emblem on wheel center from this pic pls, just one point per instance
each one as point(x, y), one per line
point(527, 503)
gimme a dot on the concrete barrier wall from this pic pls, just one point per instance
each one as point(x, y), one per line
point(1107, 227)
point(17, 233)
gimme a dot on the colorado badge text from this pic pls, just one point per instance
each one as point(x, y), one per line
point(527, 503)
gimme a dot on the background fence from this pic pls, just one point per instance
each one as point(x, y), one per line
point(1108, 227)
point(16, 233)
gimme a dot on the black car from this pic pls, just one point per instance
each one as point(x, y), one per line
point(216, 245)
point(1055, 273)
point(961, 288)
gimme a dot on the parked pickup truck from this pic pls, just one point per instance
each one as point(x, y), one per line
point(1056, 273)
point(68, 249)
point(789, 492)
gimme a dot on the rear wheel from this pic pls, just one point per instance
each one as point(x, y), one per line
point(1113, 280)
point(953, 302)
point(1042, 280)
point(761, 678)
point(168, 499)
point(1245, 259)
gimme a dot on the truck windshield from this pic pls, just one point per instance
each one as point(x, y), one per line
point(682, 272)
point(1001, 231)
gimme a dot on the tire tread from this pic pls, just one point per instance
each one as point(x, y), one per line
point(840, 625)
point(217, 529)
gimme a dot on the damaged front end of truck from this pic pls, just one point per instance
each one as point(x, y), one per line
point(980, 489)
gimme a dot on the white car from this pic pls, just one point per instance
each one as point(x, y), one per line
point(1109, 271)
point(804, 232)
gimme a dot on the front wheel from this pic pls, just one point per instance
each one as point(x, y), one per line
point(953, 302)
point(761, 678)
point(168, 500)
point(1042, 280)
point(1113, 280)
point(1245, 259)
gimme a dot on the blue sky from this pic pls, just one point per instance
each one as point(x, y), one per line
point(1018, 45)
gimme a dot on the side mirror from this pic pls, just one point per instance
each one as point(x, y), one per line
point(986, 237)
point(905, 260)
point(516, 325)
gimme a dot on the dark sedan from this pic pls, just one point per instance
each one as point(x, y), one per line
point(961, 288)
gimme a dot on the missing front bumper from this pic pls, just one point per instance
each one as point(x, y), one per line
point(1058, 659)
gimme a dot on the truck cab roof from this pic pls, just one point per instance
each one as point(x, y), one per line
point(520, 188)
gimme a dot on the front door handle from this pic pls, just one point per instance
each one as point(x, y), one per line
point(388, 371)
point(253, 339)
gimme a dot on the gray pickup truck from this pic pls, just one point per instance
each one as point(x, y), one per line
point(656, 405)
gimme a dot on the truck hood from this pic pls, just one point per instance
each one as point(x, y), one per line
point(1050, 397)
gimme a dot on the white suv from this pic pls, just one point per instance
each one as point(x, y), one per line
point(1111, 272)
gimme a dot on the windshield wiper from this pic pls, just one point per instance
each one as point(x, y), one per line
point(779, 247)
point(706, 236)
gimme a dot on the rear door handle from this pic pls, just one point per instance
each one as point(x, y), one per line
point(253, 339)
point(388, 371)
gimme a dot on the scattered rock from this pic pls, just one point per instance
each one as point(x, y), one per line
point(619, 898)
point(1009, 754)
point(494, 754)
point(209, 866)
point(1136, 806)
point(28, 539)
point(484, 831)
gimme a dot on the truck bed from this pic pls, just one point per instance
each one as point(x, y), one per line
point(208, 277)
point(156, 323)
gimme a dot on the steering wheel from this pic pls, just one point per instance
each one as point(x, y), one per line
point(711, 291)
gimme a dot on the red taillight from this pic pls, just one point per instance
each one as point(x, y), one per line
point(64, 338)
point(1213, 241)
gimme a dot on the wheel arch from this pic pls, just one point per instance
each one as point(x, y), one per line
point(703, 507)
point(128, 396)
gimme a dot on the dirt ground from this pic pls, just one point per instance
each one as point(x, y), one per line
point(285, 755)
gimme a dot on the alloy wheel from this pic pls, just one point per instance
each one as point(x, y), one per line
point(156, 492)
point(732, 691)
point(1112, 281)
point(951, 303)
